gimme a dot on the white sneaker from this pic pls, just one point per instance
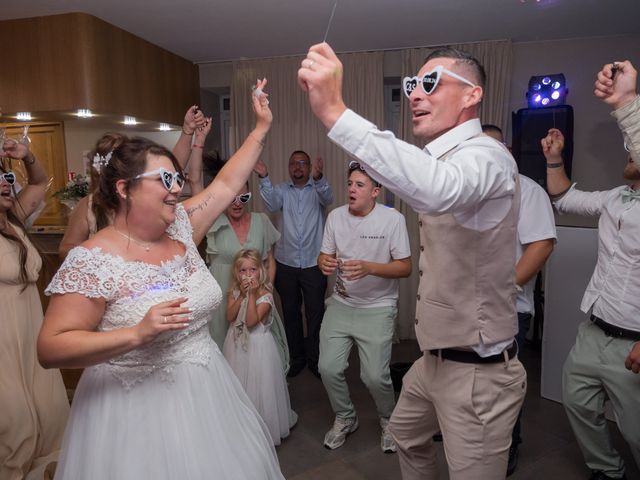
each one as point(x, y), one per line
point(342, 427)
point(386, 440)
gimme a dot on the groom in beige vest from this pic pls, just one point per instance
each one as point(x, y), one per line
point(469, 382)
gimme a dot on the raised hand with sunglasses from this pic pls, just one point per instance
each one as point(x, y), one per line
point(31, 194)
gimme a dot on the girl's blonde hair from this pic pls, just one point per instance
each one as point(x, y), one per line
point(253, 255)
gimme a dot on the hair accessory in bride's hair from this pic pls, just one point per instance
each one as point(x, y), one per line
point(100, 161)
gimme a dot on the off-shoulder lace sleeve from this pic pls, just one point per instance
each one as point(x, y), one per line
point(181, 228)
point(88, 272)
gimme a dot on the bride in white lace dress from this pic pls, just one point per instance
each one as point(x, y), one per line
point(157, 400)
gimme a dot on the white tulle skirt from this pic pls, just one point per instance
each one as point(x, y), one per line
point(197, 425)
point(259, 370)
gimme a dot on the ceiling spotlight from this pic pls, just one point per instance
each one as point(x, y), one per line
point(164, 127)
point(547, 91)
point(130, 120)
point(24, 116)
point(84, 113)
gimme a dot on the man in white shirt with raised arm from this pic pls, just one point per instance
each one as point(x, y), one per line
point(605, 359)
point(469, 382)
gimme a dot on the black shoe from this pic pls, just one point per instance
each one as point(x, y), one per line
point(513, 460)
point(295, 369)
point(599, 475)
point(437, 437)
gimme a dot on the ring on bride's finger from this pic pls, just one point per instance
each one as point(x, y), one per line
point(164, 319)
point(310, 64)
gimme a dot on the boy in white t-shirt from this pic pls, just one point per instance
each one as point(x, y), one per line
point(367, 246)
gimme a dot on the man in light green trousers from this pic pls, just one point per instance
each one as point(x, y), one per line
point(366, 244)
point(605, 360)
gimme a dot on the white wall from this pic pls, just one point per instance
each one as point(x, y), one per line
point(215, 75)
point(80, 136)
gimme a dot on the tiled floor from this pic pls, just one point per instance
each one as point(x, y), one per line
point(549, 450)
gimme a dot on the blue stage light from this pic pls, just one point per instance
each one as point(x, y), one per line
point(547, 91)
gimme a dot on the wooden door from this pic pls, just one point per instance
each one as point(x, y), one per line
point(47, 144)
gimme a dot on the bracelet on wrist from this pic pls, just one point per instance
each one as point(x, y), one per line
point(556, 196)
point(197, 146)
point(555, 165)
point(186, 133)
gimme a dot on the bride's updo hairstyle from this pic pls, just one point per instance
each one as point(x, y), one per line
point(127, 161)
point(100, 158)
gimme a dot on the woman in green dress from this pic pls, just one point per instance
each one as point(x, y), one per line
point(235, 230)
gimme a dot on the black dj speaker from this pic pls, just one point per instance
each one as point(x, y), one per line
point(530, 125)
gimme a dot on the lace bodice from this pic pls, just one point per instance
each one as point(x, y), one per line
point(130, 288)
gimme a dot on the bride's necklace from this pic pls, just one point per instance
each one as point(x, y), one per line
point(146, 246)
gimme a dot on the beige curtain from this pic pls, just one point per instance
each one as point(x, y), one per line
point(496, 57)
point(295, 127)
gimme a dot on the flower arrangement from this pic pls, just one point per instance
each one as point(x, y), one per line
point(76, 188)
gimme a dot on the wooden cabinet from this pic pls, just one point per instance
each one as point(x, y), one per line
point(47, 144)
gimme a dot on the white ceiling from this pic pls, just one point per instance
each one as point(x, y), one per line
point(217, 30)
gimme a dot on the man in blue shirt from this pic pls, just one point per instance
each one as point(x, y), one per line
point(302, 201)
